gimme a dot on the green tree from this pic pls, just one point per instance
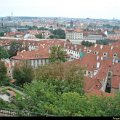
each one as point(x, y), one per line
point(6, 105)
point(3, 72)
point(65, 78)
point(39, 36)
point(15, 46)
point(42, 28)
point(3, 53)
point(1, 34)
point(23, 74)
point(87, 43)
point(57, 54)
point(32, 27)
point(113, 106)
point(102, 42)
point(59, 34)
point(56, 90)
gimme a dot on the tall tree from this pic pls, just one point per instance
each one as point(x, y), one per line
point(23, 74)
point(59, 34)
point(1, 34)
point(39, 36)
point(66, 78)
point(14, 48)
point(57, 54)
point(87, 43)
point(3, 53)
point(3, 72)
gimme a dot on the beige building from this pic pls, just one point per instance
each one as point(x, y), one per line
point(74, 34)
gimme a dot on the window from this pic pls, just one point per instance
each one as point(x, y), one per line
point(95, 52)
point(38, 62)
point(88, 51)
point(105, 54)
point(41, 61)
point(115, 55)
point(89, 72)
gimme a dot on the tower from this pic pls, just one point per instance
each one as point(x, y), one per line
point(71, 24)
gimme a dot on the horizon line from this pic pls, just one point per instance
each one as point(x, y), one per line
point(61, 17)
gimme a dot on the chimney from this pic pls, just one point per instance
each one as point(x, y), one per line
point(113, 61)
point(101, 46)
point(97, 57)
point(84, 47)
point(95, 45)
point(111, 47)
point(98, 64)
point(49, 51)
point(65, 45)
point(101, 58)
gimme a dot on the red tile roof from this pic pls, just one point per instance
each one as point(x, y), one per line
point(31, 55)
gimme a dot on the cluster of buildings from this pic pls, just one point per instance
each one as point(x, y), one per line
point(101, 63)
point(28, 34)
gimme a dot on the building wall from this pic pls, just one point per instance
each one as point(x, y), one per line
point(34, 63)
point(74, 35)
point(74, 54)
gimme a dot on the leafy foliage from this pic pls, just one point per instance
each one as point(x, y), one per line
point(3, 53)
point(3, 72)
point(4, 105)
point(87, 43)
point(23, 74)
point(57, 54)
point(42, 98)
point(57, 89)
point(1, 34)
point(14, 48)
point(102, 42)
point(42, 28)
point(39, 36)
point(65, 78)
point(59, 34)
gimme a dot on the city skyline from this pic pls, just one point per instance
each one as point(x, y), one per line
point(105, 9)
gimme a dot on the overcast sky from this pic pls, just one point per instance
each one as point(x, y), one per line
point(61, 8)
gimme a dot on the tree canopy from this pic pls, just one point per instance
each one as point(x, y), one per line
point(3, 73)
point(58, 33)
point(57, 54)
point(1, 34)
point(3, 53)
point(87, 43)
point(57, 90)
point(23, 74)
point(39, 36)
point(15, 46)
point(102, 42)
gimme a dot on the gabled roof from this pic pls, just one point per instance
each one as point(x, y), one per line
point(42, 53)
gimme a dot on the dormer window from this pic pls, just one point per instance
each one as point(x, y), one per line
point(104, 54)
point(89, 72)
point(95, 52)
point(37, 55)
point(88, 51)
point(115, 55)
